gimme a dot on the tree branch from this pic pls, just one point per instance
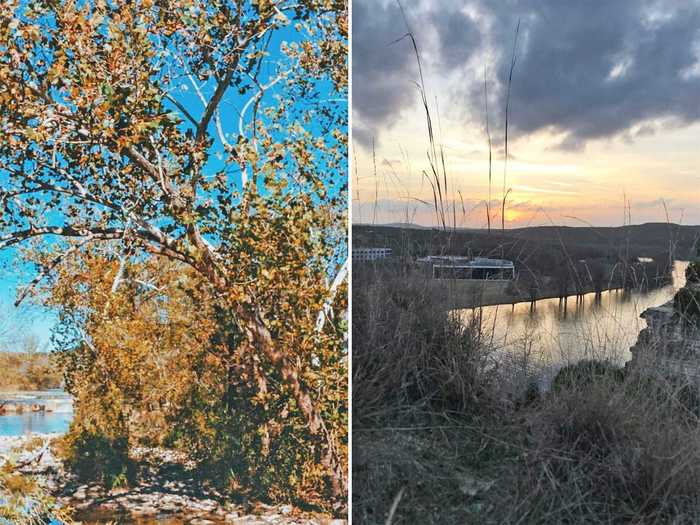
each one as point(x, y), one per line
point(221, 88)
point(339, 279)
point(142, 162)
point(54, 262)
point(61, 231)
point(158, 175)
point(183, 110)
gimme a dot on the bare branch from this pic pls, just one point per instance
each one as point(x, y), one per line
point(220, 131)
point(196, 87)
point(157, 174)
point(122, 262)
point(339, 279)
point(182, 108)
point(61, 231)
point(221, 88)
point(54, 262)
point(258, 95)
point(255, 99)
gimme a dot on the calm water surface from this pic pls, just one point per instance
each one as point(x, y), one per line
point(13, 424)
point(555, 333)
point(37, 422)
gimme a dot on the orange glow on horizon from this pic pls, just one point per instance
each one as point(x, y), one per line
point(513, 215)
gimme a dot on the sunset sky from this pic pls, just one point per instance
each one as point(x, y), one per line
point(604, 110)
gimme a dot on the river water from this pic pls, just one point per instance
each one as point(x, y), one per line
point(555, 333)
point(56, 421)
point(34, 422)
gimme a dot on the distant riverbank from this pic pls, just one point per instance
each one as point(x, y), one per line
point(35, 400)
point(474, 294)
point(31, 412)
point(29, 370)
point(463, 294)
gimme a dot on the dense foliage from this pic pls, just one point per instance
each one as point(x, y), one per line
point(160, 362)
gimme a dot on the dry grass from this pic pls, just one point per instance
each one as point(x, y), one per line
point(18, 484)
point(441, 435)
point(31, 445)
point(611, 451)
point(408, 354)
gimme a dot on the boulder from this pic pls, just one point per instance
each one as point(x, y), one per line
point(670, 344)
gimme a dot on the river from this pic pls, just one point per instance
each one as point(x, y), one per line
point(555, 333)
point(56, 421)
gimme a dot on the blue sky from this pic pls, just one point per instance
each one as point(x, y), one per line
point(34, 320)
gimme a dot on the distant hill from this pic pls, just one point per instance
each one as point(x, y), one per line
point(407, 225)
point(644, 240)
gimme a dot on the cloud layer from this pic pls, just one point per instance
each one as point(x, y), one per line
point(379, 67)
point(384, 66)
point(587, 70)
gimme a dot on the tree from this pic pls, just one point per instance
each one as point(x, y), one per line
point(142, 376)
point(101, 143)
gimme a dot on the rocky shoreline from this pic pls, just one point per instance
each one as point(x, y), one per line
point(670, 344)
point(21, 401)
point(156, 499)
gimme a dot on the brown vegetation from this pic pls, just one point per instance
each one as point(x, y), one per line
point(160, 362)
point(444, 432)
point(28, 370)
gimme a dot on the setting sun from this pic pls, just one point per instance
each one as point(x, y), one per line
point(513, 215)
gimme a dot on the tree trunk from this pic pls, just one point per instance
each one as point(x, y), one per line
point(256, 372)
point(259, 337)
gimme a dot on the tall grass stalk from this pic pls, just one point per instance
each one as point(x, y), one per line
point(505, 156)
point(488, 137)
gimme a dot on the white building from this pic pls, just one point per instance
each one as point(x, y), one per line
point(370, 254)
point(473, 268)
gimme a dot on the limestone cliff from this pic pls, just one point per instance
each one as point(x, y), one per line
point(670, 343)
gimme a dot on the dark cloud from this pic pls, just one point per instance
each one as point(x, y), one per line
point(381, 69)
point(361, 134)
point(594, 69)
point(458, 37)
point(590, 69)
point(384, 70)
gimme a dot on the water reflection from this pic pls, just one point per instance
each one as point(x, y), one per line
point(56, 417)
point(34, 422)
point(551, 332)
